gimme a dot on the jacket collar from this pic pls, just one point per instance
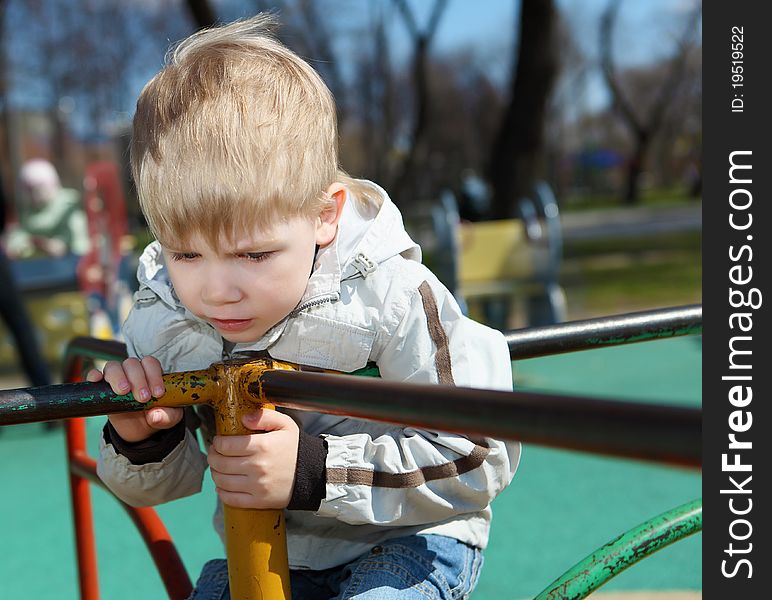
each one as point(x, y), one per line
point(373, 240)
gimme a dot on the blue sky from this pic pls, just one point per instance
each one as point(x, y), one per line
point(644, 32)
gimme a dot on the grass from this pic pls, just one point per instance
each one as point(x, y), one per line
point(624, 274)
point(662, 196)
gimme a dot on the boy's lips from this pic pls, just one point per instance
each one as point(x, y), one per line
point(231, 324)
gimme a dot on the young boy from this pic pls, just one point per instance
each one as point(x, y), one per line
point(263, 244)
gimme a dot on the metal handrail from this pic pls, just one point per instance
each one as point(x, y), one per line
point(614, 330)
point(664, 433)
point(624, 551)
point(667, 434)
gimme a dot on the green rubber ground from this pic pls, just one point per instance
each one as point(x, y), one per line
point(560, 507)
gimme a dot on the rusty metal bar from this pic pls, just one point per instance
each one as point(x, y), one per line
point(654, 432)
point(667, 434)
point(588, 334)
point(255, 539)
point(661, 433)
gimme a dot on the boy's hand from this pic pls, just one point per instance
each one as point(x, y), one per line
point(258, 470)
point(144, 380)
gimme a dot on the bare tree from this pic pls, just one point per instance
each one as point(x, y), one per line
point(567, 101)
point(318, 39)
point(372, 115)
point(517, 156)
point(422, 39)
point(643, 123)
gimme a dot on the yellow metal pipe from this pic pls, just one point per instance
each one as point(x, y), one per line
point(255, 540)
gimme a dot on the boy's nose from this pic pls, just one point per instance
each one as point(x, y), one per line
point(218, 290)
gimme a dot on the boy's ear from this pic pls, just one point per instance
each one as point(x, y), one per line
point(327, 222)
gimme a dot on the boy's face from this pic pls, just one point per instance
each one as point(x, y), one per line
point(247, 286)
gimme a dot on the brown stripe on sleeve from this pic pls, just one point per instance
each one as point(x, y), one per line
point(411, 479)
point(438, 335)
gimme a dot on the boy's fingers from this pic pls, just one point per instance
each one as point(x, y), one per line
point(235, 499)
point(115, 376)
point(230, 483)
point(94, 375)
point(136, 376)
point(154, 375)
point(230, 465)
point(234, 445)
point(163, 417)
point(267, 420)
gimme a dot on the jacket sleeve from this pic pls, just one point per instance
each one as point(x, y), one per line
point(408, 476)
point(177, 475)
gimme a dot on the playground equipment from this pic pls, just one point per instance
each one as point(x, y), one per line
point(578, 423)
point(488, 263)
point(73, 295)
point(101, 272)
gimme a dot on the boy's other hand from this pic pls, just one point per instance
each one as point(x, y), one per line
point(144, 379)
point(258, 470)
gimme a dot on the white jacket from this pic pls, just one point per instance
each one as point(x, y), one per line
point(369, 299)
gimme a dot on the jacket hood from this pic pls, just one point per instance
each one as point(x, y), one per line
point(370, 232)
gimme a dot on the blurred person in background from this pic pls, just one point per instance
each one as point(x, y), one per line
point(52, 220)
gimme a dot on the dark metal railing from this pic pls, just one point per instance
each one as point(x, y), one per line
point(605, 331)
point(654, 432)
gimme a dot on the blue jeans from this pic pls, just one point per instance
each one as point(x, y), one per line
point(416, 566)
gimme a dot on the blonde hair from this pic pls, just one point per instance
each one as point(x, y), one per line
point(236, 130)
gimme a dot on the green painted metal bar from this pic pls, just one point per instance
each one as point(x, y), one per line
point(615, 330)
point(63, 401)
point(624, 551)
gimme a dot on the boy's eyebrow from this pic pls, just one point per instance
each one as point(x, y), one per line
point(251, 244)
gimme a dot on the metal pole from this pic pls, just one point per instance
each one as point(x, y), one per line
point(654, 432)
point(620, 553)
point(82, 520)
point(605, 331)
point(255, 540)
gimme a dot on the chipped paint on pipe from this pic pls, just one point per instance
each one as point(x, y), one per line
point(662, 433)
point(88, 399)
point(616, 330)
point(255, 540)
point(624, 551)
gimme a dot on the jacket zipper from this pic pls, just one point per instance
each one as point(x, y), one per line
point(315, 302)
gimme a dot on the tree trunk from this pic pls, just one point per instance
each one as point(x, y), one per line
point(634, 170)
point(405, 180)
point(202, 13)
point(517, 159)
